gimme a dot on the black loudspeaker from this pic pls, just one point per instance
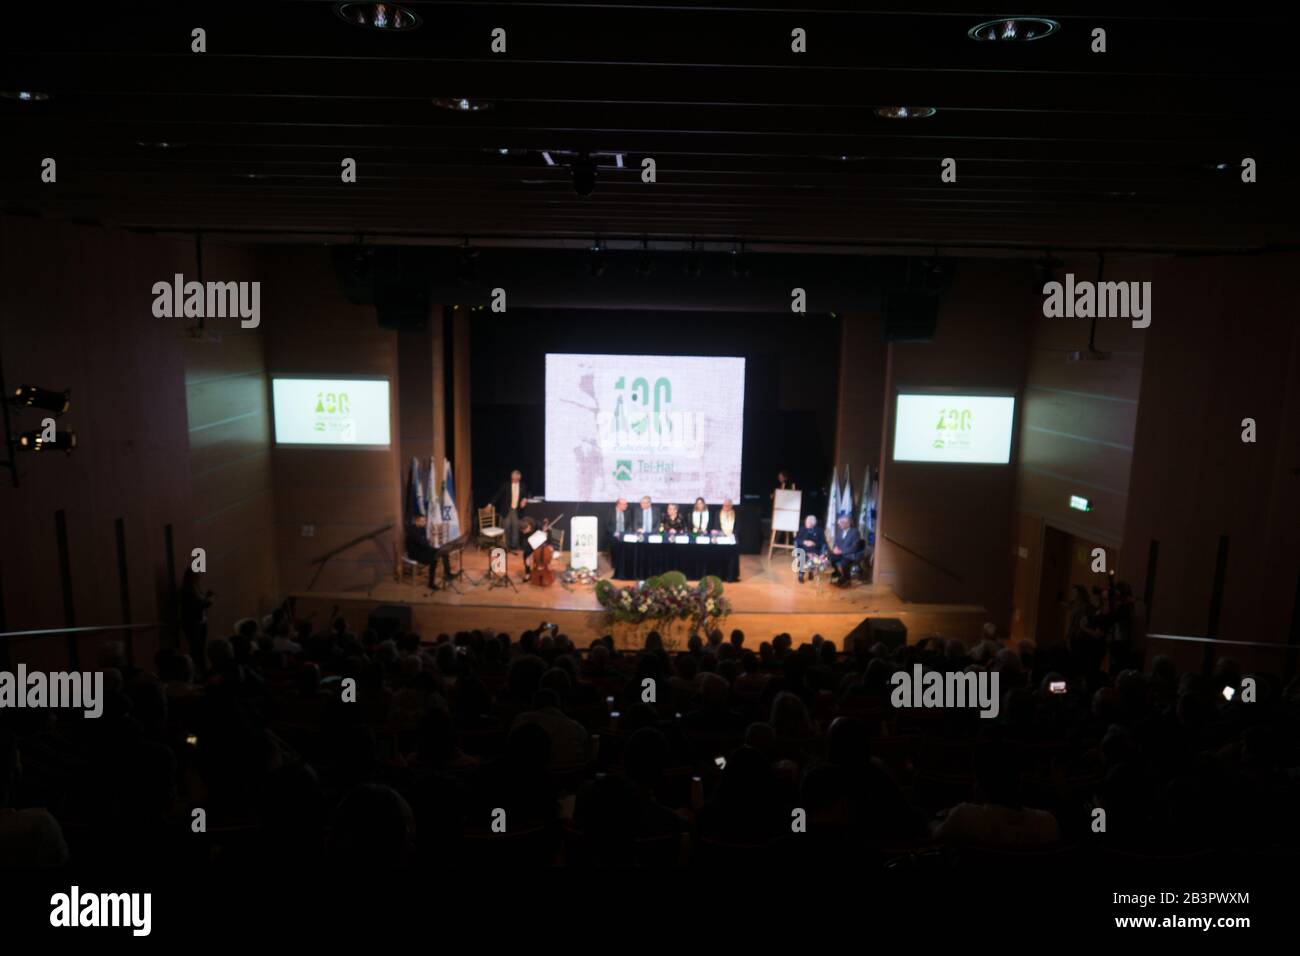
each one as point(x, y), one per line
point(910, 316)
point(889, 630)
point(390, 620)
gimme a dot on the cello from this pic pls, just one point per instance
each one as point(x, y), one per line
point(540, 571)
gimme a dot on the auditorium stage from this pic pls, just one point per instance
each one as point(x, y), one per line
point(767, 600)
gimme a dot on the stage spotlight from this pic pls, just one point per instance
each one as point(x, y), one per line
point(644, 263)
point(362, 262)
point(25, 96)
point(465, 265)
point(584, 175)
point(597, 259)
point(692, 262)
point(739, 261)
point(33, 441)
point(388, 17)
point(47, 400)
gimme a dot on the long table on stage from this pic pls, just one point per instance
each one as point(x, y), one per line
point(638, 560)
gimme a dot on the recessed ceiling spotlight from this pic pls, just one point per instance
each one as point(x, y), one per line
point(1014, 28)
point(388, 17)
point(461, 104)
point(905, 112)
point(846, 158)
point(25, 96)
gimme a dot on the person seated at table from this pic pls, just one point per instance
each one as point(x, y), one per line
point(727, 517)
point(811, 539)
point(645, 520)
point(673, 522)
point(700, 517)
point(418, 548)
point(846, 547)
point(620, 520)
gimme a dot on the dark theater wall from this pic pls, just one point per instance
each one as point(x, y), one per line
point(333, 495)
point(946, 530)
point(76, 312)
point(1224, 345)
point(229, 416)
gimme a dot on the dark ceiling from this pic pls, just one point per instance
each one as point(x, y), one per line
point(1056, 146)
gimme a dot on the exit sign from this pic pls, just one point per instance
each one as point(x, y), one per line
point(1080, 504)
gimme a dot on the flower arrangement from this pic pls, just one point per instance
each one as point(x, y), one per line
point(664, 599)
point(581, 576)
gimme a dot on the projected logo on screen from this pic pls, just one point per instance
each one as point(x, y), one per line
point(332, 417)
point(315, 411)
point(638, 421)
point(632, 425)
point(958, 429)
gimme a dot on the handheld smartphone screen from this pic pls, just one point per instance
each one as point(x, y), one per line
point(1057, 687)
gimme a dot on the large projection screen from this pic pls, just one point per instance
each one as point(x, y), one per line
point(954, 429)
point(670, 427)
point(330, 412)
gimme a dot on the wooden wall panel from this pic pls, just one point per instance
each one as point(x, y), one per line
point(947, 531)
point(229, 423)
point(1078, 422)
point(1228, 348)
point(75, 312)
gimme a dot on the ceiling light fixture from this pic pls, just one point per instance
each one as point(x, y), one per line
point(461, 104)
point(25, 96)
point(905, 112)
point(1014, 29)
point(388, 17)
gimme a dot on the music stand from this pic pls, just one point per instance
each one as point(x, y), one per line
point(499, 578)
point(452, 548)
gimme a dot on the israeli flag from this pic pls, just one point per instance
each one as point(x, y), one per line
point(450, 516)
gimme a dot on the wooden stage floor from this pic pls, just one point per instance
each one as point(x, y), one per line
point(767, 600)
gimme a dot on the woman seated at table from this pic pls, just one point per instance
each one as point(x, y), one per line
point(674, 522)
point(700, 517)
point(727, 517)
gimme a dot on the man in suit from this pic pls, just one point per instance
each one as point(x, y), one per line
point(646, 519)
point(846, 546)
point(619, 521)
point(510, 501)
point(811, 539)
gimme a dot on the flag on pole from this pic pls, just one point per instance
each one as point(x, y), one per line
point(864, 508)
point(450, 516)
point(833, 503)
point(846, 494)
point(415, 498)
point(873, 515)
